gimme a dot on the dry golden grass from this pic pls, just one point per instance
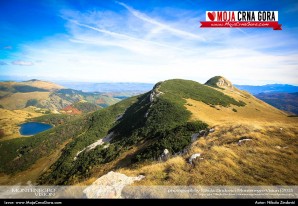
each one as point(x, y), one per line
point(11, 119)
point(39, 84)
point(254, 110)
point(19, 100)
point(43, 85)
point(270, 158)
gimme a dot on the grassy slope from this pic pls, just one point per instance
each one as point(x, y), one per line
point(269, 158)
point(19, 100)
point(34, 171)
point(43, 85)
point(165, 127)
point(20, 154)
point(191, 89)
point(15, 95)
point(10, 121)
point(29, 85)
point(100, 122)
point(86, 107)
point(255, 110)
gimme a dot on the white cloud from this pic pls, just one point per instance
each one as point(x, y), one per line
point(160, 25)
point(22, 63)
point(136, 47)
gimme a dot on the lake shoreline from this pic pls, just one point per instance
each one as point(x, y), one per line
point(33, 128)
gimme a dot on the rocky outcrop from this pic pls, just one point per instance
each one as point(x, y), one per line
point(220, 82)
point(165, 155)
point(201, 133)
point(241, 141)
point(195, 136)
point(110, 185)
point(193, 157)
point(224, 83)
point(155, 92)
point(106, 139)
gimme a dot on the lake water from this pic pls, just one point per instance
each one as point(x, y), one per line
point(32, 128)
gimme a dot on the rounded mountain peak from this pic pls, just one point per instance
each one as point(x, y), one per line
point(220, 82)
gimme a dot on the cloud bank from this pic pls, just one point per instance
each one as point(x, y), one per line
point(22, 63)
point(131, 45)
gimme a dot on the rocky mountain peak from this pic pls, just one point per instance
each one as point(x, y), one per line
point(221, 82)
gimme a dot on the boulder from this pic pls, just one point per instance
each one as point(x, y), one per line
point(202, 132)
point(166, 152)
point(194, 136)
point(110, 185)
point(193, 157)
point(240, 142)
point(165, 155)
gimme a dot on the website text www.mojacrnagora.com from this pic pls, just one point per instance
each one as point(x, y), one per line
point(35, 202)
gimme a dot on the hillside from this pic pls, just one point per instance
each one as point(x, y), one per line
point(36, 98)
point(234, 133)
point(47, 95)
point(10, 121)
point(33, 85)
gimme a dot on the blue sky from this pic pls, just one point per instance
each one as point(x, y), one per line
point(143, 41)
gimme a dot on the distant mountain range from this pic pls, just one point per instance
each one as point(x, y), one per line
point(281, 96)
point(268, 88)
point(108, 87)
point(43, 94)
point(54, 97)
point(281, 100)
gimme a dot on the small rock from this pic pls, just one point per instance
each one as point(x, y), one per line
point(194, 136)
point(193, 157)
point(243, 140)
point(146, 115)
point(165, 155)
point(152, 96)
point(202, 132)
point(211, 130)
point(166, 151)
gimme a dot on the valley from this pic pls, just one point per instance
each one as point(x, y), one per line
point(23, 101)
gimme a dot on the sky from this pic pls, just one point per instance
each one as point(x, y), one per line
point(143, 41)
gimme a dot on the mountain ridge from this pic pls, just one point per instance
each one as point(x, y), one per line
point(142, 127)
point(48, 95)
